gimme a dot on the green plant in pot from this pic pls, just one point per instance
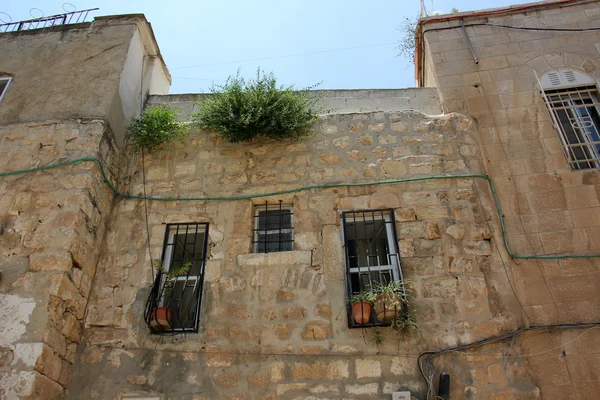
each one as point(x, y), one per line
point(161, 316)
point(362, 305)
point(390, 300)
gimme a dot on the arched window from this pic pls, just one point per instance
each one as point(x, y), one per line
point(4, 82)
point(573, 101)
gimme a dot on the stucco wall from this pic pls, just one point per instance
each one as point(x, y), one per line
point(63, 72)
point(90, 70)
point(549, 209)
point(335, 101)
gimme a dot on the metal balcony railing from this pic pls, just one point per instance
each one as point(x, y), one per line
point(74, 17)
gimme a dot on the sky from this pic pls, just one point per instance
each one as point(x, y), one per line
point(350, 44)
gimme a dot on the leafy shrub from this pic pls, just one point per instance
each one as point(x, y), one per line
point(156, 126)
point(408, 41)
point(240, 110)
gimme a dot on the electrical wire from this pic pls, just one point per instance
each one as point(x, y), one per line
point(286, 56)
point(523, 28)
point(433, 354)
point(489, 180)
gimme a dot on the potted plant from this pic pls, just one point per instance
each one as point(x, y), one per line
point(390, 299)
point(161, 316)
point(362, 304)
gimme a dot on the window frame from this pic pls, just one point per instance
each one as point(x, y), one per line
point(9, 79)
point(157, 296)
point(395, 268)
point(256, 231)
point(566, 93)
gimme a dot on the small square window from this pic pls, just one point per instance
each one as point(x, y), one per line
point(4, 82)
point(273, 228)
point(175, 297)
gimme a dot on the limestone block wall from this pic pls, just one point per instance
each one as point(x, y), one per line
point(52, 224)
point(274, 325)
point(549, 209)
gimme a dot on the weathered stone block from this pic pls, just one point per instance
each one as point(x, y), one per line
point(49, 363)
point(478, 247)
point(329, 158)
point(366, 368)
point(378, 127)
point(62, 287)
point(276, 371)
point(443, 287)
point(402, 366)
point(356, 127)
point(46, 260)
point(316, 330)
point(364, 389)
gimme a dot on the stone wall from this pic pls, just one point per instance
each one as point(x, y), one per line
point(549, 209)
point(275, 325)
point(70, 94)
point(52, 226)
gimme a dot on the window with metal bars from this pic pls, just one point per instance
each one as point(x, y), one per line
point(575, 112)
point(273, 228)
point(175, 297)
point(372, 257)
point(572, 99)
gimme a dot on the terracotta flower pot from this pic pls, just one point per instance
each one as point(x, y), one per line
point(387, 306)
point(361, 311)
point(161, 317)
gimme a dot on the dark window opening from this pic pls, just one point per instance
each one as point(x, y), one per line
point(372, 257)
point(273, 228)
point(175, 298)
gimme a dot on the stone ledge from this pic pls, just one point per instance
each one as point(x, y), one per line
point(297, 257)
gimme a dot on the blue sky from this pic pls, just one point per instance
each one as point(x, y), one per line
point(207, 41)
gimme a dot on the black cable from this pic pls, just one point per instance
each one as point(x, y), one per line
point(146, 211)
point(497, 338)
point(523, 28)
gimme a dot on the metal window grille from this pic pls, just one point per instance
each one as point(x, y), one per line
point(273, 228)
point(4, 82)
point(175, 298)
point(372, 256)
point(74, 17)
point(576, 115)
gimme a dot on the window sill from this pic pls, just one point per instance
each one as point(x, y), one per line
point(296, 257)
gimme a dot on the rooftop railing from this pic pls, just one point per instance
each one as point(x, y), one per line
point(74, 17)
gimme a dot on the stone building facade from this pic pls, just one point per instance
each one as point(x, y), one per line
point(78, 240)
point(550, 207)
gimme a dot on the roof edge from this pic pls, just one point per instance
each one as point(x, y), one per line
point(147, 33)
point(477, 14)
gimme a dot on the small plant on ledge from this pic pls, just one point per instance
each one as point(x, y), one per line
point(405, 322)
point(157, 126)
point(241, 110)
